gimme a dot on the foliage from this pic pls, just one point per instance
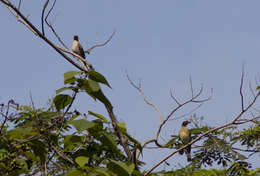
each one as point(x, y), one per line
point(58, 141)
point(64, 141)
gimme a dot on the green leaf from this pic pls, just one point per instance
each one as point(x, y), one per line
point(82, 124)
point(76, 172)
point(72, 141)
point(120, 168)
point(170, 143)
point(109, 140)
point(82, 160)
point(122, 127)
point(258, 88)
point(39, 149)
point(198, 130)
point(98, 77)
point(93, 85)
point(98, 116)
point(61, 101)
point(69, 77)
point(70, 120)
point(84, 85)
point(102, 171)
point(101, 97)
point(63, 89)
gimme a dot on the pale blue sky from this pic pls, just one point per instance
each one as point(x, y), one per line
point(160, 42)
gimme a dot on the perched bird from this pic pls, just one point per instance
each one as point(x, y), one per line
point(185, 137)
point(77, 48)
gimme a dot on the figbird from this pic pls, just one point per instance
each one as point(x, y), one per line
point(185, 137)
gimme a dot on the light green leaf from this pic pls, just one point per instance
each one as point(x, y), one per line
point(93, 85)
point(82, 124)
point(69, 77)
point(63, 89)
point(81, 160)
point(122, 126)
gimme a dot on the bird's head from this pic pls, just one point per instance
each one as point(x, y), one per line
point(76, 37)
point(185, 123)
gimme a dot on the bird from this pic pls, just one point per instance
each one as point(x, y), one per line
point(77, 48)
point(185, 137)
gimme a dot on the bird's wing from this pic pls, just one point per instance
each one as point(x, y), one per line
point(82, 53)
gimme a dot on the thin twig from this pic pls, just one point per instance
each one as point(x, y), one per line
point(19, 5)
point(52, 28)
point(241, 89)
point(143, 95)
point(173, 97)
point(102, 44)
point(42, 18)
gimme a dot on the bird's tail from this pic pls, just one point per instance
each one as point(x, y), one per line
point(187, 151)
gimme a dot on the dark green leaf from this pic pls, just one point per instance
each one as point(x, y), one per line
point(76, 172)
point(109, 140)
point(170, 143)
point(98, 77)
point(98, 116)
point(120, 168)
point(72, 141)
point(61, 101)
point(101, 97)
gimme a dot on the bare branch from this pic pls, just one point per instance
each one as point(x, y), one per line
point(52, 28)
point(189, 113)
point(241, 89)
point(251, 89)
point(191, 88)
point(19, 5)
point(102, 44)
point(145, 98)
point(173, 97)
point(78, 57)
